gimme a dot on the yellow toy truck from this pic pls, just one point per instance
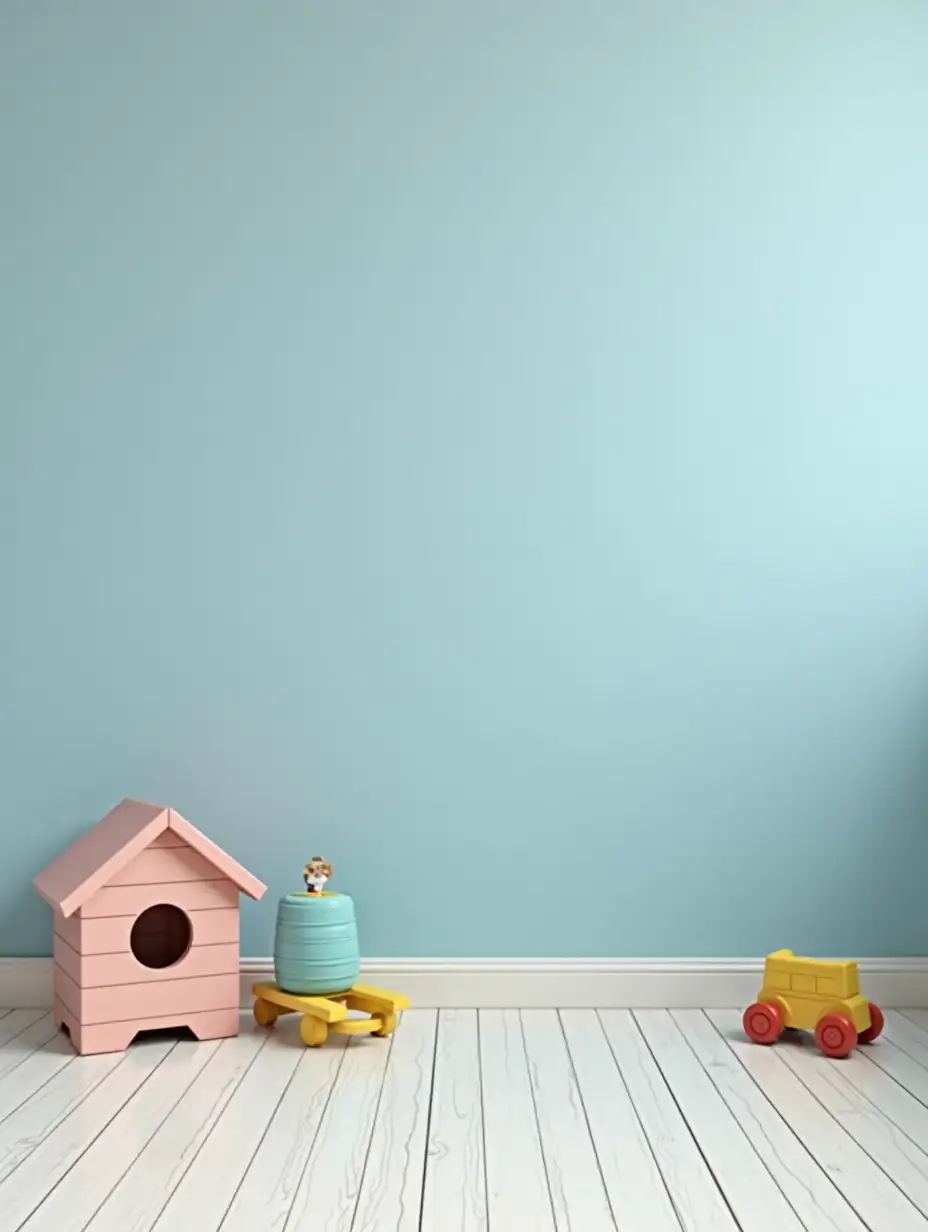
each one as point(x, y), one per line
point(814, 995)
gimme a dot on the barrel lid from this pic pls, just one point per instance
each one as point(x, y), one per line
point(329, 896)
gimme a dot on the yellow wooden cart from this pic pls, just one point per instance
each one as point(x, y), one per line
point(324, 1014)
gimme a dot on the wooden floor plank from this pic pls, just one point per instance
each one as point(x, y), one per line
point(24, 1190)
point(139, 1197)
point(328, 1190)
point(696, 1197)
point(813, 1197)
point(636, 1189)
point(26, 1042)
point(454, 1193)
point(544, 1120)
point(391, 1188)
point(904, 1034)
point(40, 1067)
point(41, 1114)
point(897, 1066)
point(16, 1021)
point(918, 1017)
point(815, 1111)
point(753, 1195)
point(578, 1192)
point(866, 1122)
point(75, 1199)
point(517, 1184)
point(858, 1074)
point(266, 1194)
point(200, 1201)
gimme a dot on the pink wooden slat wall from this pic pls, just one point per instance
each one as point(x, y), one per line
point(134, 899)
point(168, 839)
point(115, 1036)
point(164, 866)
point(106, 970)
point(110, 934)
point(161, 998)
point(67, 992)
point(70, 929)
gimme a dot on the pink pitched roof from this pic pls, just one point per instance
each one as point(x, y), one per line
point(89, 863)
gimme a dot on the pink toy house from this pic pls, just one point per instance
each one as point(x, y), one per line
point(146, 929)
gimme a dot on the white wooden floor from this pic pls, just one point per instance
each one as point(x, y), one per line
point(504, 1119)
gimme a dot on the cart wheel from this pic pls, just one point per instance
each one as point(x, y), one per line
point(835, 1035)
point(876, 1025)
point(312, 1031)
point(265, 1013)
point(389, 1026)
point(763, 1022)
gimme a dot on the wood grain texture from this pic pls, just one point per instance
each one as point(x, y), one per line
point(905, 1035)
point(918, 1017)
point(82, 1191)
point(35, 1118)
point(24, 1043)
point(753, 1195)
point(696, 1197)
point(454, 1196)
point(904, 1071)
point(873, 1125)
point(517, 1183)
point(271, 1180)
point(141, 1194)
point(328, 1191)
point(26, 1188)
point(807, 1186)
point(391, 1187)
point(17, 1021)
point(867, 1188)
point(200, 1201)
point(262, 1133)
point(578, 1193)
point(636, 1189)
point(36, 1069)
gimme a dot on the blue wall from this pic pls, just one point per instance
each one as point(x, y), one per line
point(484, 443)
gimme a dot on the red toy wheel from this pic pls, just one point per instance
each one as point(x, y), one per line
point(835, 1035)
point(763, 1023)
point(876, 1025)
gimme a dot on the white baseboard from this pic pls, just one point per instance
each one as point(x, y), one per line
point(635, 983)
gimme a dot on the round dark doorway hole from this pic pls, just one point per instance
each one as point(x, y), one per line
point(160, 936)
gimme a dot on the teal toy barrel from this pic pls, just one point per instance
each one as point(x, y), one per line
point(316, 944)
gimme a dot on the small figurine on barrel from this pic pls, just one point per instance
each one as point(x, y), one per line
point(316, 874)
